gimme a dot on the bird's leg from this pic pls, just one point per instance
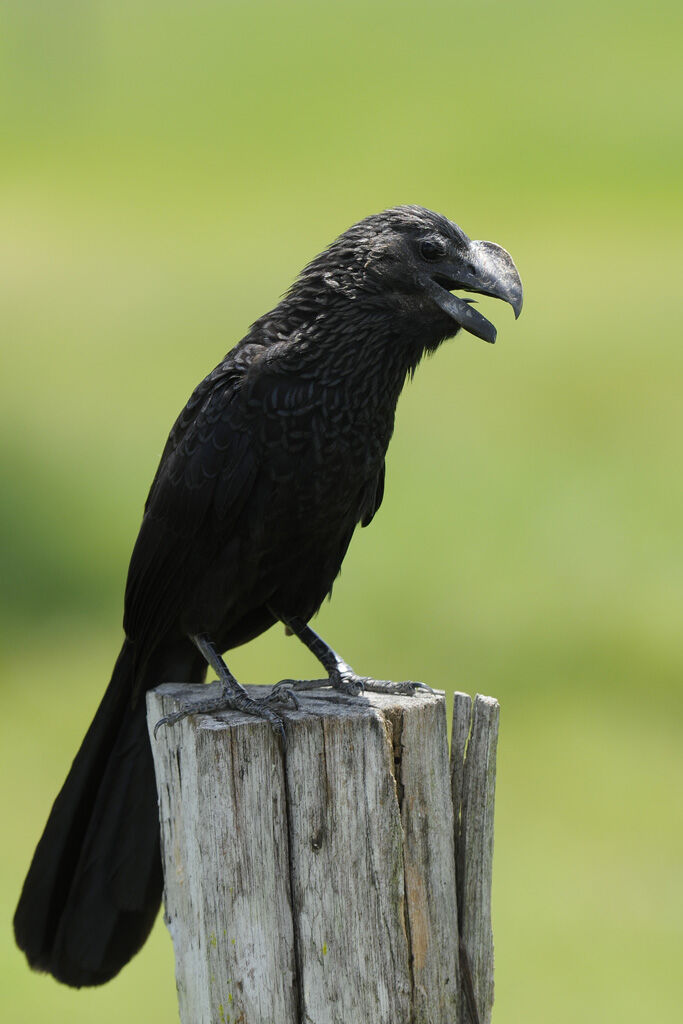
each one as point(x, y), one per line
point(232, 697)
point(341, 675)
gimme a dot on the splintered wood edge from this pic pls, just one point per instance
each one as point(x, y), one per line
point(473, 780)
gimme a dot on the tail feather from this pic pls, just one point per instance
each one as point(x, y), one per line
point(94, 886)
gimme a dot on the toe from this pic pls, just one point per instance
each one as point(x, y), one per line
point(283, 694)
point(353, 685)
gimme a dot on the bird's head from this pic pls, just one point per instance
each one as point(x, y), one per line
point(412, 259)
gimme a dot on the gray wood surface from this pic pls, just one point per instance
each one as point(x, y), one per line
point(318, 885)
point(226, 866)
point(473, 783)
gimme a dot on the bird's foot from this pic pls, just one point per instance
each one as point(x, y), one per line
point(282, 693)
point(237, 701)
point(343, 678)
point(346, 681)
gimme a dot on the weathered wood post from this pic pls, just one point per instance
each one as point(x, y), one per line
point(318, 885)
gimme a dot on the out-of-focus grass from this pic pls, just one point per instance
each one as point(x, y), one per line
point(165, 172)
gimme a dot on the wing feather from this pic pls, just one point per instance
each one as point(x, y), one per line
point(372, 498)
point(204, 479)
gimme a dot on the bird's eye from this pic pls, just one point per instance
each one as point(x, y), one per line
point(433, 249)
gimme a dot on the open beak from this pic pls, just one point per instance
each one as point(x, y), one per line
point(482, 267)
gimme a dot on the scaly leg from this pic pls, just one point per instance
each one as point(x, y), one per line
point(232, 697)
point(341, 676)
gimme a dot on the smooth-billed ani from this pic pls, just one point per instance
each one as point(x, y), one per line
point(276, 458)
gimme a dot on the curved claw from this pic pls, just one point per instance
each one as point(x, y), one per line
point(277, 724)
point(173, 718)
point(349, 683)
point(283, 693)
point(162, 721)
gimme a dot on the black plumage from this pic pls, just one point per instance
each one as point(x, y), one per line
point(274, 461)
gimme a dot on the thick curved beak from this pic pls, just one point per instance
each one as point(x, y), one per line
point(482, 267)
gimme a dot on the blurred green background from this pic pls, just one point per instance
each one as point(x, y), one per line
point(166, 169)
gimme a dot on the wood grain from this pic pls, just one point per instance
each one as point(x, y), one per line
point(316, 884)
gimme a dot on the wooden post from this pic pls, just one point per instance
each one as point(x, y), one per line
point(318, 885)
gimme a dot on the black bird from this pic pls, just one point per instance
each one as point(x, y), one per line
point(276, 458)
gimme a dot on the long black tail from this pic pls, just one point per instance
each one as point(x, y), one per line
point(94, 886)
